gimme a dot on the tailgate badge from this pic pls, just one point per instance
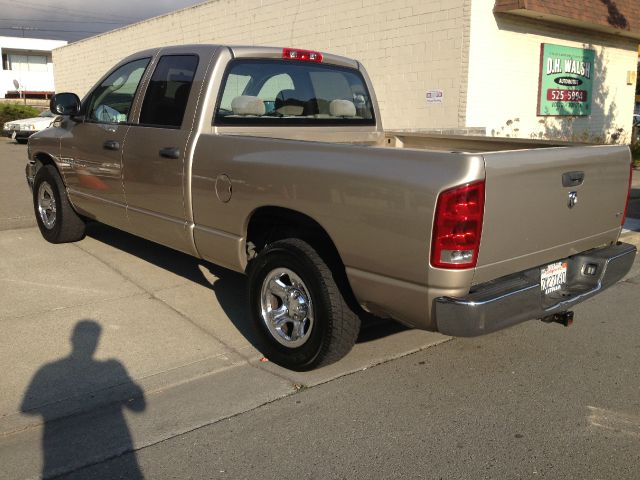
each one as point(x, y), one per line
point(573, 199)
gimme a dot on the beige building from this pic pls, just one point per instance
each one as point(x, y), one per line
point(444, 65)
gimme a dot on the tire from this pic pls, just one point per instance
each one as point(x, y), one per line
point(303, 294)
point(57, 220)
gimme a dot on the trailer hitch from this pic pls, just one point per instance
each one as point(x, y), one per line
point(563, 318)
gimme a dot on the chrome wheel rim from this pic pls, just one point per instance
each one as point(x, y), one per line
point(47, 205)
point(286, 307)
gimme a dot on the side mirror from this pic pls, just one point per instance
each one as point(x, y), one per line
point(65, 104)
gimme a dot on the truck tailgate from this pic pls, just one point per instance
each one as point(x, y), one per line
point(528, 219)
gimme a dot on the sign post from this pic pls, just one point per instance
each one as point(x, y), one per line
point(565, 87)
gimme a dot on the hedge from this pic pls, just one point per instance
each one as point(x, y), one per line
point(12, 111)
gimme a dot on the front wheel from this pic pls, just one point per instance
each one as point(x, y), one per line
point(57, 220)
point(297, 307)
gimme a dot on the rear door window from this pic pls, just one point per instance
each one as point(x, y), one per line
point(290, 92)
point(168, 92)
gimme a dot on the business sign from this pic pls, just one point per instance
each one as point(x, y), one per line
point(566, 80)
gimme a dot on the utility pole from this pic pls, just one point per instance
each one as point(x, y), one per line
point(22, 29)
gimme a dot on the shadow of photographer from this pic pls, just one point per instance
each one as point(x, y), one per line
point(63, 391)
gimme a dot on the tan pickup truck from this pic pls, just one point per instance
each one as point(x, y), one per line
point(274, 162)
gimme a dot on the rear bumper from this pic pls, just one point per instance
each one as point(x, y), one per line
point(513, 299)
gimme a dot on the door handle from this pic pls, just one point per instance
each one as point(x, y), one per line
point(572, 179)
point(170, 152)
point(111, 145)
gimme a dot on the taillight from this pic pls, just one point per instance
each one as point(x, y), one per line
point(457, 226)
point(304, 55)
point(626, 207)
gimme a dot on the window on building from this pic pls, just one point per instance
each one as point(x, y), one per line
point(168, 92)
point(23, 62)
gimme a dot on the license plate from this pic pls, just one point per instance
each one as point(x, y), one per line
point(553, 277)
point(13, 135)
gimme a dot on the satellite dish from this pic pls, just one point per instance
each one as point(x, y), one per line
point(16, 84)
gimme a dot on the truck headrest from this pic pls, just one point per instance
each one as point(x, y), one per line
point(342, 108)
point(247, 105)
point(287, 102)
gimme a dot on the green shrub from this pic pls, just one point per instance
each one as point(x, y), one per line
point(13, 111)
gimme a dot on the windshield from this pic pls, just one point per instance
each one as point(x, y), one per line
point(286, 92)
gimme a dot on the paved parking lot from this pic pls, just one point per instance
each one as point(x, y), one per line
point(143, 344)
point(16, 210)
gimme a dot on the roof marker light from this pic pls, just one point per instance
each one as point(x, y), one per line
point(303, 55)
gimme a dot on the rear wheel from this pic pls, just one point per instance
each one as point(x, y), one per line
point(57, 220)
point(297, 308)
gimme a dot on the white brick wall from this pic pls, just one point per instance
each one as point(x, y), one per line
point(407, 46)
point(487, 66)
point(503, 78)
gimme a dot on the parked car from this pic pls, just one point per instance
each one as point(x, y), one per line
point(22, 129)
point(273, 162)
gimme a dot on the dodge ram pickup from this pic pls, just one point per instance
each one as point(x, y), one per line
point(273, 162)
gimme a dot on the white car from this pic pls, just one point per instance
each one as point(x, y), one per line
point(22, 129)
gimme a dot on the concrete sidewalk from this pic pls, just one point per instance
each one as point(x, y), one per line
point(167, 325)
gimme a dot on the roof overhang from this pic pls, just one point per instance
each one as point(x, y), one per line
point(615, 23)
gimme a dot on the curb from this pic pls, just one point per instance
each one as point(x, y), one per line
point(630, 236)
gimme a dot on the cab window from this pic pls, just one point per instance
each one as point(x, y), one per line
point(290, 92)
point(168, 92)
point(111, 101)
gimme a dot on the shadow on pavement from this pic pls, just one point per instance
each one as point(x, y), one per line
point(634, 203)
point(230, 287)
point(62, 389)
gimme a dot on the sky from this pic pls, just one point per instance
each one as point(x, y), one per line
point(73, 20)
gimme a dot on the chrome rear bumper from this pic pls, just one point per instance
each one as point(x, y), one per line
point(513, 299)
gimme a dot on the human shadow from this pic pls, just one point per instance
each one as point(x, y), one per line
point(83, 418)
point(229, 287)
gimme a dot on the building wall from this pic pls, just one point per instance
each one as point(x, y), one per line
point(504, 60)
point(407, 46)
point(33, 81)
